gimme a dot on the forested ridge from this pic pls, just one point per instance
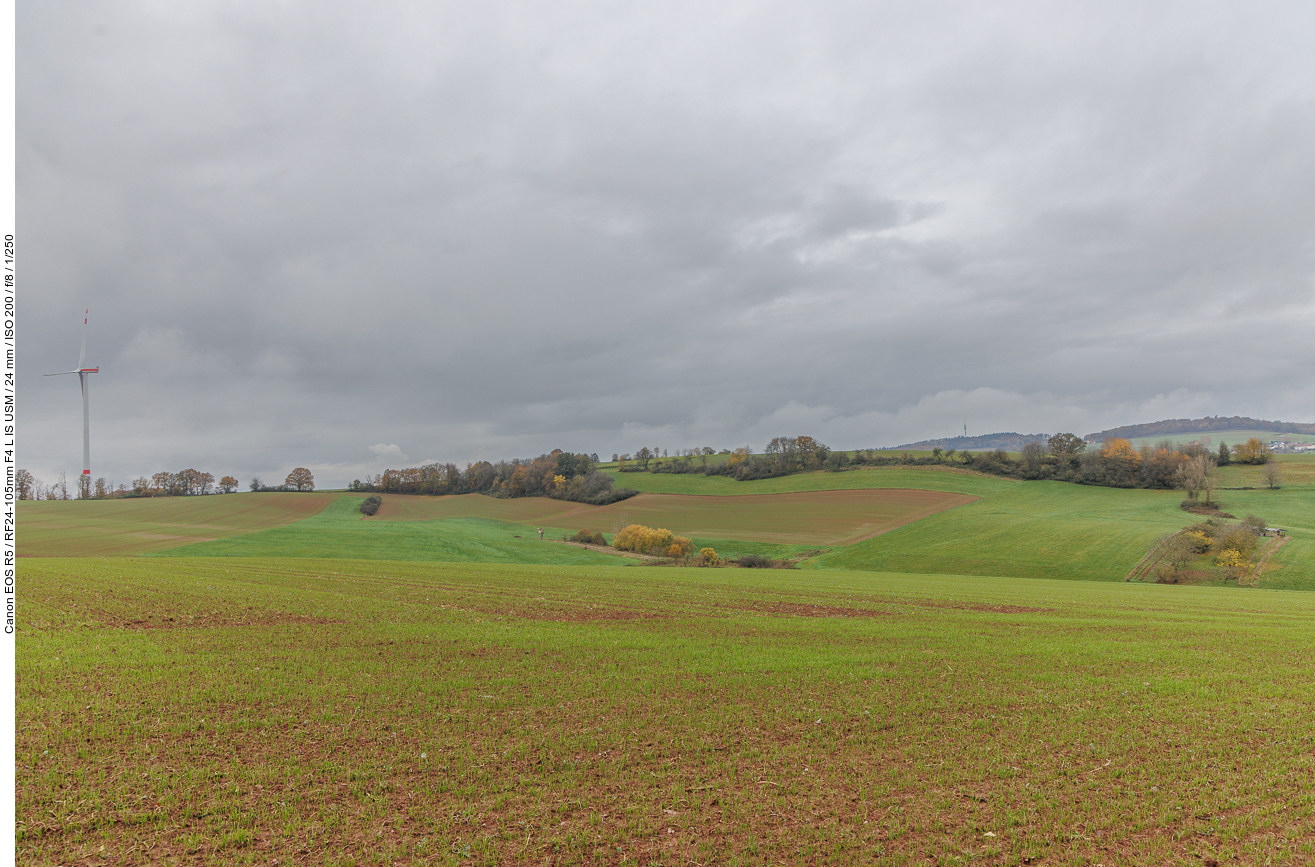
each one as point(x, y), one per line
point(1200, 425)
point(1009, 441)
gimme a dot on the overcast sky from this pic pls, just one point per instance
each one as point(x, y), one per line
point(354, 236)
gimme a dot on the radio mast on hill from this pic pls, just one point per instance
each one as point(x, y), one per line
point(84, 484)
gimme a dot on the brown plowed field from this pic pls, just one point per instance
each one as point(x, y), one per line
point(407, 507)
point(808, 518)
point(109, 528)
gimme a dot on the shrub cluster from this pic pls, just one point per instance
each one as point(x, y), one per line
point(1231, 545)
point(585, 536)
point(371, 504)
point(655, 542)
point(756, 561)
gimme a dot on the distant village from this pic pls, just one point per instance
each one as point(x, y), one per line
point(1275, 446)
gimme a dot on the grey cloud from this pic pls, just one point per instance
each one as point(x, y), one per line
point(489, 231)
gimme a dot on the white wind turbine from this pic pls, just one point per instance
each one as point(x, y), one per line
point(86, 424)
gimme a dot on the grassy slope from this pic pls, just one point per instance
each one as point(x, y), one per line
point(1296, 470)
point(231, 711)
point(1034, 530)
point(97, 528)
point(1026, 529)
point(792, 518)
point(1292, 508)
point(1031, 529)
point(342, 531)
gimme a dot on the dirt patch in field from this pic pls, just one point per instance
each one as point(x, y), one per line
point(593, 615)
point(205, 620)
point(798, 609)
point(980, 606)
point(522, 510)
point(565, 613)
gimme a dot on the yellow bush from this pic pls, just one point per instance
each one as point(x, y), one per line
point(708, 557)
point(1200, 542)
point(1119, 450)
point(1231, 558)
point(647, 540)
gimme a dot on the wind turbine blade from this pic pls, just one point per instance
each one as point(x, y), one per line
point(82, 356)
point(62, 373)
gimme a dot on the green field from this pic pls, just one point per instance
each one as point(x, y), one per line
point(276, 677)
point(339, 712)
point(1013, 528)
point(342, 531)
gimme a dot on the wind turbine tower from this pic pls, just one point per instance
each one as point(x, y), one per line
point(82, 372)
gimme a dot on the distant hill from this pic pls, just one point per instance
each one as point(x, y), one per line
point(1010, 442)
point(1199, 425)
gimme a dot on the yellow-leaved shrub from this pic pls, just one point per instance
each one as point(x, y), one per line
point(647, 540)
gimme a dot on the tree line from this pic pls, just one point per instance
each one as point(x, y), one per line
point(559, 474)
point(1062, 457)
point(184, 483)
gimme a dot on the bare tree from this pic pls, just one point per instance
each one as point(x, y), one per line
point(1197, 474)
point(1211, 481)
point(1273, 476)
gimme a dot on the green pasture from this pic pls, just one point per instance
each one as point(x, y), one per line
point(1061, 530)
point(1294, 470)
point(341, 531)
point(1032, 530)
point(344, 712)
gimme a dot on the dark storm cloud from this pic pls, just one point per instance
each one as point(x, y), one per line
point(347, 236)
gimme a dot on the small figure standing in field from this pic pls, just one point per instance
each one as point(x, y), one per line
point(541, 534)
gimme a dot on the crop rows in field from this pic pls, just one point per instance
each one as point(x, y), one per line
point(242, 711)
point(99, 528)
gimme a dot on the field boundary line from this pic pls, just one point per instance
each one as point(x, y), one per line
point(1146, 562)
